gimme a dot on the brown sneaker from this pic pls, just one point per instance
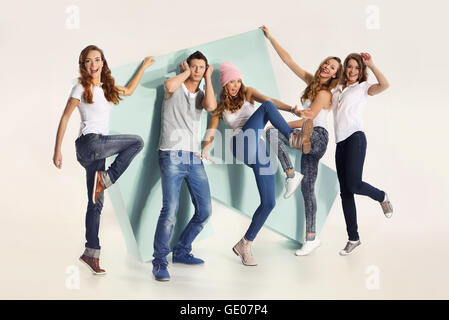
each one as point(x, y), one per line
point(307, 130)
point(99, 186)
point(93, 264)
point(296, 139)
point(300, 139)
point(243, 250)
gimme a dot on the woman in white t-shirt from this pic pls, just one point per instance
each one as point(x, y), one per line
point(348, 102)
point(94, 95)
point(237, 110)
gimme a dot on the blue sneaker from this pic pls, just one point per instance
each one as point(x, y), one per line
point(160, 272)
point(186, 259)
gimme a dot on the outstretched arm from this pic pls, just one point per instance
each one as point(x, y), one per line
point(322, 100)
point(286, 58)
point(382, 84)
point(57, 155)
point(253, 94)
point(132, 85)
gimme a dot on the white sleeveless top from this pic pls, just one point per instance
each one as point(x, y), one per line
point(237, 120)
point(321, 118)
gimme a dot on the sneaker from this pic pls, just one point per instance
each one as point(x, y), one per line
point(187, 259)
point(160, 272)
point(350, 246)
point(243, 250)
point(387, 207)
point(308, 247)
point(291, 184)
point(99, 186)
point(93, 264)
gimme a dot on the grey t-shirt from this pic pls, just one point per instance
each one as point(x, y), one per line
point(181, 114)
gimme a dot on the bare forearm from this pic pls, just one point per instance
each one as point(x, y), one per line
point(383, 82)
point(174, 83)
point(296, 123)
point(210, 103)
point(283, 54)
point(60, 133)
point(132, 85)
point(281, 105)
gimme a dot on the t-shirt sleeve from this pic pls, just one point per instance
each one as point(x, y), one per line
point(77, 91)
point(365, 86)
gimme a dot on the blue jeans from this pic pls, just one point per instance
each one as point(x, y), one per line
point(349, 158)
point(176, 166)
point(256, 156)
point(91, 151)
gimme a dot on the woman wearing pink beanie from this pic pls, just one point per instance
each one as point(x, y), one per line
point(236, 108)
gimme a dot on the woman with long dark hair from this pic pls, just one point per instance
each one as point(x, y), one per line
point(348, 102)
point(94, 95)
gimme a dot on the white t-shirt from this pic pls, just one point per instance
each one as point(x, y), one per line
point(238, 119)
point(94, 116)
point(347, 105)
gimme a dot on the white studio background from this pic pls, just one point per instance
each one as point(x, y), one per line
point(406, 127)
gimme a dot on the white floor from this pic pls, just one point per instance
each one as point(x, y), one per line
point(394, 262)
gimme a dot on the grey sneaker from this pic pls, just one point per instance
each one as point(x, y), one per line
point(243, 250)
point(387, 207)
point(349, 248)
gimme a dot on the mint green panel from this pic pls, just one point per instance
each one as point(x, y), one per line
point(137, 195)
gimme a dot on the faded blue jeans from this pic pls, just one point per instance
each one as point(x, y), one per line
point(309, 168)
point(177, 166)
point(91, 151)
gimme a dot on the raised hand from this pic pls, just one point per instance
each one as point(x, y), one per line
point(209, 71)
point(367, 59)
point(148, 61)
point(265, 31)
point(184, 67)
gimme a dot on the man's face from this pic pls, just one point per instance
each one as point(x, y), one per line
point(197, 69)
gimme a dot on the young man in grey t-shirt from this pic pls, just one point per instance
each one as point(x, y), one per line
point(179, 150)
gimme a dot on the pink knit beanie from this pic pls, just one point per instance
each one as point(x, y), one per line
point(228, 72)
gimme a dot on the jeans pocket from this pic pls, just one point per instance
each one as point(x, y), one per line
point(85, 148)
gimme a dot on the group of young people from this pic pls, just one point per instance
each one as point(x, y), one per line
point(342, 88)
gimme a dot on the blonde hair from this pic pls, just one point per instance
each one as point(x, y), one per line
point(316, 86)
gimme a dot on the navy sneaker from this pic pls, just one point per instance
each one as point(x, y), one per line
point(160, 272)
point(187, 259)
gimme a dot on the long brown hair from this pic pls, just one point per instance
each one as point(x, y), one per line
point(363, 74)
point(111, 92)
point(315, 85)
point(230, 103)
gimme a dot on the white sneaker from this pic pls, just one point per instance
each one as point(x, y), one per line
point(291, 184)
point(308, 247)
